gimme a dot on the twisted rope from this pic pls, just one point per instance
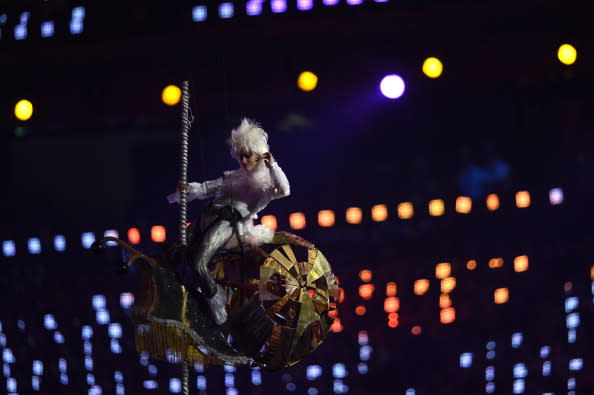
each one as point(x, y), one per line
point(183, 202)
point(186, 123)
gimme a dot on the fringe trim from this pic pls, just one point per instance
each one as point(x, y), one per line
point(170, 344)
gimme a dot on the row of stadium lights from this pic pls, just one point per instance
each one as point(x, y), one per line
point(421, 286)
point(391, 86)
point(313, 372)
point(520, 370)
point(297, 220)
point(47, 28)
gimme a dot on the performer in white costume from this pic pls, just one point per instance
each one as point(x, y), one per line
point(237, 198)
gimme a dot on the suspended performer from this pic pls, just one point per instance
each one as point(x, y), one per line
point(236, 199)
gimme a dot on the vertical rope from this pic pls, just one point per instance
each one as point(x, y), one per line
point(183, 202)
point(183, 212)
point(186, 388)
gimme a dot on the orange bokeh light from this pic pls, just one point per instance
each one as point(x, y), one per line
point(158, 234)
point(495, 263)
point(436, 207)
point(443, 270)
point(501, 295)
point(448, 284)
point(447, 316)
point(326, 218)
point(523, 199)
point(134, 236)
point(360, 310)
point(463, 204)
point(416, 330)
point(391, 304)
point(421, 286)
point(492, 202)
point(445, 301)
point(366, 275)
point(366, 291)
point(391, 289)
point(354, 215)
point(393, 323)
point(521, 263)
point(405, 210)
point(379, 212)
point(269, 221)
point(471, 264)
point(336, 326)
point(297, 221)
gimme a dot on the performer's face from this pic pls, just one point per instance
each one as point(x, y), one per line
point(248, 160)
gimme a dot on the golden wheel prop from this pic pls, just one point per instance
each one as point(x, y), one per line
point(279, 298)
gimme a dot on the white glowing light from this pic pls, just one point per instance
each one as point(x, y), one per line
point(59, 243)
point(256, 377)
point(312, 372)
point(199, 13)
point(8, 248)
point(34, 245)
point(392, 86)
point(49, 322)
point(201, 383)
point(362, 368)
point(339, 371)
point(466, 360)
point(175, 385)
point(226, 10)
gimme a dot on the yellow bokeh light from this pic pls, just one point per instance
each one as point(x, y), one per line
point(443, 270)
point(492, 202)
point(297, 221)
point(567, 54)
point(379, 213)
point(171, 95)
point(23, 110)
point(463, 204)
point(521, 263)
point(326, 218)
point(436, 207)
point(448, 284)
point(432, 67)
point(307, 81)
point(421, 286)
point(354, 215)
point(523, 199)
point(501, 295)
point(405, 210)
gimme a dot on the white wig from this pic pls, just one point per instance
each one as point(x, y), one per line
point(249, 137)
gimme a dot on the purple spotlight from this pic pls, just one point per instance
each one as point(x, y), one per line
point(392, 86)
point(253, 7)
point(330, 2)
point(278, 6)
point(354, 2)
point(304, 5)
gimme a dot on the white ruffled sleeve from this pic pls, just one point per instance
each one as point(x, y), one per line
point(280, 183)
point(204, 190)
